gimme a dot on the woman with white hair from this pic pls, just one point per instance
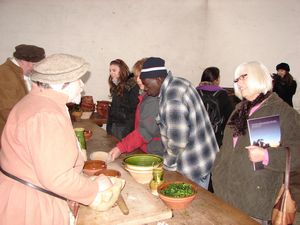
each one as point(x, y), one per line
point(234, 179)
point(41, 161)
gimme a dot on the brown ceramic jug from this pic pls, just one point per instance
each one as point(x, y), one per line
point(102, 108)
point(87, 104)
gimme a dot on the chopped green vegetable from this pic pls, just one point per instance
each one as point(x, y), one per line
point(178, 190)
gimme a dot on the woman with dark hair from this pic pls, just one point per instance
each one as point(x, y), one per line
point(124, 92)
point(211, 74)
point(284, 84)
point(209, 85)
point(234, 177)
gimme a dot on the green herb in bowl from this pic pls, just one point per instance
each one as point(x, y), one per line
point(178, 190)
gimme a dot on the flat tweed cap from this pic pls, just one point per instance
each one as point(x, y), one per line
point(29, 53)
point(154, 67)
point(59, 68)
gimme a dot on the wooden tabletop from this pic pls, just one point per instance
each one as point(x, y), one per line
point(206, 209)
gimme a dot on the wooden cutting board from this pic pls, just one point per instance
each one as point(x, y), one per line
point(143, 206)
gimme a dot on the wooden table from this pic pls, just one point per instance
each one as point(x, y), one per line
point(206, 209)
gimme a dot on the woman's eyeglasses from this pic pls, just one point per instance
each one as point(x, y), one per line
point(242, 77)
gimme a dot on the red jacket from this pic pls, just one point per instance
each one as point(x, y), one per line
point(146, 134)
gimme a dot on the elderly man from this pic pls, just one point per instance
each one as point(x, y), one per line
point(14, 81)
point(188, 138)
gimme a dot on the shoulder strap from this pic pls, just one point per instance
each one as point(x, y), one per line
point(200, 92)
point(31, 185)
point(217, 92)
point(287, 168)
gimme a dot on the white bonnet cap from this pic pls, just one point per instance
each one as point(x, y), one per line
point(59, 68)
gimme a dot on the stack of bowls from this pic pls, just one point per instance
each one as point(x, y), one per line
point(140, 166)
point(87, 104)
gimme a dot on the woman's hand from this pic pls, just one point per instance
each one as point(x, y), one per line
point(255, 153)
point(103, 182)
point(113, 154)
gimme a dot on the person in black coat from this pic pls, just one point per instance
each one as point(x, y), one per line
point(284, 84)
point(209, 84)
point(124, 92)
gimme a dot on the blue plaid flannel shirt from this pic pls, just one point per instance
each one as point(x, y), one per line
point(186, 132)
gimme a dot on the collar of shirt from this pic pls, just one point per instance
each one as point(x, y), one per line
point(165, 84)
point(14, 61)
point(56, 96)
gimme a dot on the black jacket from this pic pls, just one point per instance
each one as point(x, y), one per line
point(225, 105)
point(122, 110)
point(283, 89)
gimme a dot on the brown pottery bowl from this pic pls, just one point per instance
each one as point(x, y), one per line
point(176, 202)
point(87, 99)
point(109, 173)
point(102, 108)
point(91, 167)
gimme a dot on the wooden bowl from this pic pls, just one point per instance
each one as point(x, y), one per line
point(99, 155)
point(91, 167)
point(109, 172)
point(87, 134)
point(176, 202)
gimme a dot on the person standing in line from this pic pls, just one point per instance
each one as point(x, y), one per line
point(124, 92)
point(146, 134)
point(235, 180)
point(209, 85)
point(284, 84)
point(189, 142)
point(218, 105)
point(14, 80)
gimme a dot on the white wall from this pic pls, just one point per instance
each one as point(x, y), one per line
point(189, 34)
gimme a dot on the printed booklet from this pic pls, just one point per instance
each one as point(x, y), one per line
point(264, 132)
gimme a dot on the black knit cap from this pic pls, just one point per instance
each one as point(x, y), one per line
point(283, 66)
point(153, 67)
point(29, 53)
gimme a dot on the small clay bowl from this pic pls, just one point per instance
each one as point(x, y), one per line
point(93, 166)
point(87, 134)
point(109, 172)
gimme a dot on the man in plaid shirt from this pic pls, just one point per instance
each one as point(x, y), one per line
point(186, 132)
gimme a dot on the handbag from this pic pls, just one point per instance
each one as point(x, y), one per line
point(284, 210)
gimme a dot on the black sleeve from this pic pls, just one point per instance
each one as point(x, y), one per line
point(293, 87)
point(131, 108)
point(109, 122)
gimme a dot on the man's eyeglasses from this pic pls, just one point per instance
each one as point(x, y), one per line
point(242, 77)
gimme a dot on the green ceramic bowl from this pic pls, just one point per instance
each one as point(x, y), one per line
point(142, 161)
